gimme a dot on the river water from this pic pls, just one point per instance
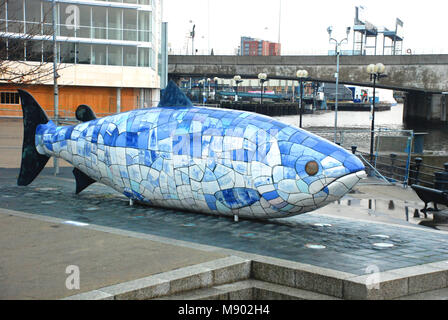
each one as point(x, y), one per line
point(436, 141)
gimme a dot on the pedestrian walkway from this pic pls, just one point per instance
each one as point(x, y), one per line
point(45, 227)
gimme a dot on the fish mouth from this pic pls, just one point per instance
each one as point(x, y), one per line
point(344, 184)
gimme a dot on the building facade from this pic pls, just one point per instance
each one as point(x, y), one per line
point(108, 53)
point(256, 47)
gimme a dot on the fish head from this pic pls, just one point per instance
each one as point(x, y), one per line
point(324, 172)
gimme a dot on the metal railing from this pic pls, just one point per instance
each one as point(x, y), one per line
point(395, 169)
point(390, 167)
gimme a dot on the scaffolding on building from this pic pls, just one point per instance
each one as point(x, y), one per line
point(362, 32)
point(395, 38)
point(365, 36)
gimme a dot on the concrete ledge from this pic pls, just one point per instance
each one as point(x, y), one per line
point(385, 285)
point(398, 283)
point(249, 290)
point(302, 276)
point(204, 275)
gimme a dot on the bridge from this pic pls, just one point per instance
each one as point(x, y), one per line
point(423, 77)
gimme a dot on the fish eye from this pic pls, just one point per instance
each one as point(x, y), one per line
point(311, 168)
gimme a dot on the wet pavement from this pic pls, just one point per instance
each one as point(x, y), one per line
point(342, 244)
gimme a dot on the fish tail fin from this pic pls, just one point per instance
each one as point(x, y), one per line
point(32, 161)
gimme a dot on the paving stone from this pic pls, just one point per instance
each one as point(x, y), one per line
point(348, 243)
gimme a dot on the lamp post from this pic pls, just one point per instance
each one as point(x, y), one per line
point(192, 35)
point(376, 71)
point(237, 80)
point(301, 74)
point(209, 83)
point(337, 49)
point(202, 85)
point(216, 79)
point(263, 77)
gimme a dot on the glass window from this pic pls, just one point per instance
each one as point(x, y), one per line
point(2, 16)
point(144, 2)
point(47, 51)
point(15, 16)
point(47, 17)
point(16, 49)
point(67, 52)
point(84, 30)
point(114, 56)
point(130, 1)
point(33, 19)
point(34, 51)
point(130, 25)
point(130, 56)
point(143, 57)
point(115, 27)
point(99, 22)
point(9, 98)
point(144, 20)
point(68, 23)
point(3, 54)
point(99, 54)
point(83, 53)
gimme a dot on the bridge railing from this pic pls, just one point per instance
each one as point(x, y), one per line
point(306, 52)
point(391, 160)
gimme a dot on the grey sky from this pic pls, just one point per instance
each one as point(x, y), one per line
point(220, 23)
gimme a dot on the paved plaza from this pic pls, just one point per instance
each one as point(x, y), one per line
point(44, 227)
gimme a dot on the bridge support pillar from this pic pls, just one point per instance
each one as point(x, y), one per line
point(427, 107)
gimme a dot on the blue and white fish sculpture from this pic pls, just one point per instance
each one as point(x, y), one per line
point(178, 156)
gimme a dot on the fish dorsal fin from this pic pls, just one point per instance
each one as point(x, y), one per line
point(172, 96)
point(84, 113)
point(82, 180)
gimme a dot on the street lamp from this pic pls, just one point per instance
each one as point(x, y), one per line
point(209, 82)
point(376, 72)
point(216, 79)
point(202, 85)
point(301, 74)
point(337, 49)
point(237, 80)
point(192, 35)
point(263, 77)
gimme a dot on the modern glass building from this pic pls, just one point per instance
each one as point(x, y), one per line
point(108, 51)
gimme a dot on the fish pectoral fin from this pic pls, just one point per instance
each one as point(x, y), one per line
point(82, 180)
point(84, 113)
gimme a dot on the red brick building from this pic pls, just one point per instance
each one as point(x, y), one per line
point(257, 47)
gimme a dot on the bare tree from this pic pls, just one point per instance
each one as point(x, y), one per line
point(26, 49)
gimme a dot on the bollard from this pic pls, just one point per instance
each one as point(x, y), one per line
point(416, 213)
point(418, 162)
point(354, 149)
